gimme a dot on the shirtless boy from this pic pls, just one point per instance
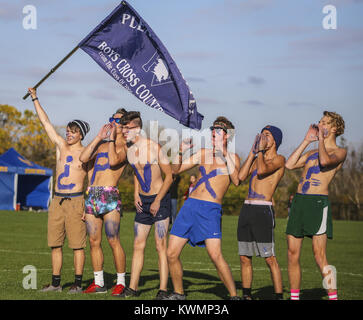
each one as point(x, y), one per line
point(103, 203)
point(310, 213)
point(257, 218)
point(152, 200)
point(66, 211)
point(199, 220)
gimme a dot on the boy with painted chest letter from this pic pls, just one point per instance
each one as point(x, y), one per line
point(152, 200)
point(310, 209)
point(256, 222)
point(66, 212)
point(103, 203)
point(199, 220)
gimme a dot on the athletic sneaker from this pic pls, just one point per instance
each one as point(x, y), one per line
point(128, 292)
point(235, 298)
point(50, 288)
point(75, 289)
point(94, 288)
point(175, 296)
point(117, 290)
point(246, 297)
point(161, 295)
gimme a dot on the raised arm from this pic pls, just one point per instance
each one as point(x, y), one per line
point(245, 170)
point(334, 158)
point(89, 152)
point(295, 160)
point(265, 168)
point(233, 165)
point(43, 117)
point(119, 156)
point(178, 165)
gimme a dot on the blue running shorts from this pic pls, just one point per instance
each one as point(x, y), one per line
point(197, 221)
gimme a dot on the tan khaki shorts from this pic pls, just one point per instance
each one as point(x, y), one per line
point(65, 220)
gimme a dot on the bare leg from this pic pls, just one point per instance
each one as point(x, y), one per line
point(215, 253)
point(78, 259)
point(161, 230)
point(57, 260)
point(141, 234)
point(112, 228)
point(94, 230)
point(246, 271)
point(175, 247)
point(319, 250)
point(275, 273)
point(293, 254)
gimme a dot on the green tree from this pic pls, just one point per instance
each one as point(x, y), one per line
point(24, 133)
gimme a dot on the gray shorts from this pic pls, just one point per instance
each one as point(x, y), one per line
point(255, 231)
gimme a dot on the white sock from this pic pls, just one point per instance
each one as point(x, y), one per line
point(99, 278)
point(121, 279)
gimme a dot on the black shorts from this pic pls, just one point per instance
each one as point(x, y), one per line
point(256, 229)
point(145, 217)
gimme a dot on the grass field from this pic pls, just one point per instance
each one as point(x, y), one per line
point(23, 242)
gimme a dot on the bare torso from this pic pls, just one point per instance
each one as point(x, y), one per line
point(213, 179)
point(315, 179)
point(263, 188)
point(143, 157)
point(70, 172)
point(100, 173)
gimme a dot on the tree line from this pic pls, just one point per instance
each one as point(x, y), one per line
point(24, 132)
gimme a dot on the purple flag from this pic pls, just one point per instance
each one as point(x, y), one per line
point(130, 52)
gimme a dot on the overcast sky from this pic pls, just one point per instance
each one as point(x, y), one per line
point(256, 62)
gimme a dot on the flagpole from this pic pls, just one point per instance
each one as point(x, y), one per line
point(52, 70)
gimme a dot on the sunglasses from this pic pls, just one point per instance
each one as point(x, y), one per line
point(125, 128)
point(117, 120)
point(218, 129)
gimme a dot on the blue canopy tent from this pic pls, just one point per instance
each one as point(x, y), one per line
point(24, 182)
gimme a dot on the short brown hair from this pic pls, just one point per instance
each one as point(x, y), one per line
point(121, 111)
point(337, 122)
point(132, 116)
point(224, 121)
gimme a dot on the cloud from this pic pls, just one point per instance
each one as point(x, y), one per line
point(253, 103)
point(254, 81)
point(330, 41)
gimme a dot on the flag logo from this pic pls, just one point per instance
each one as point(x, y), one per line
point(158, 67)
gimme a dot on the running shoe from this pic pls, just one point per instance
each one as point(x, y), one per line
point(161, 295)
point(50, 288)
point(117, 289)
point(75, 289)
point(175, 296)
point(128, 292)
point(94, 288)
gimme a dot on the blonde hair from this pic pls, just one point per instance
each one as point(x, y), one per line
point(337, 122)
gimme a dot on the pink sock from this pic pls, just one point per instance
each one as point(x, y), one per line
point(295, 294)
point(333, 295)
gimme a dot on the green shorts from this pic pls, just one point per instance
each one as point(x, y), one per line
point(310, 215)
